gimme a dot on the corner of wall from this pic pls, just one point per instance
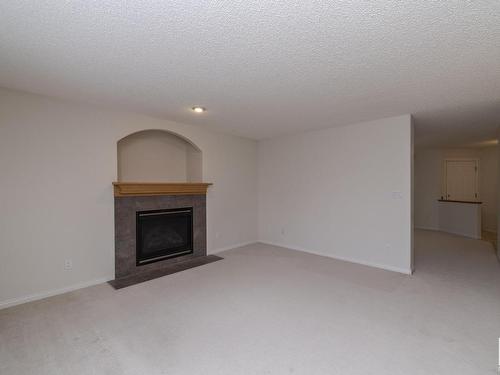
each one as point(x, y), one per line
point(498, 195)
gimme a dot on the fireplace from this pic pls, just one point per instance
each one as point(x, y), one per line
point(163, 234)
point(160, 228)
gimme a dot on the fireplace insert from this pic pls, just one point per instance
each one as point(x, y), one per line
point(163, 234)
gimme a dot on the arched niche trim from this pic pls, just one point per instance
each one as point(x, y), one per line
point(157, 155)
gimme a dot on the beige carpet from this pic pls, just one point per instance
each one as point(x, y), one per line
point(267, 310)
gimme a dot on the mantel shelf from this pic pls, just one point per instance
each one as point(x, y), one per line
point(127, 189)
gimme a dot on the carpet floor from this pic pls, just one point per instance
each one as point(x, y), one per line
point(269, 310)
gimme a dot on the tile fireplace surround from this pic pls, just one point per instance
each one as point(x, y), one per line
point(133, 197)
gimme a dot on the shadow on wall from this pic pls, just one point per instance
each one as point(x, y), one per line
point(498, 193)
point(158, 156)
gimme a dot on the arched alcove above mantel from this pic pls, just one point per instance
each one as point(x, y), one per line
point(160, 206)
point(158, 156)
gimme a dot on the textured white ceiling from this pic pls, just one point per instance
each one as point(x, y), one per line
point(264, 68)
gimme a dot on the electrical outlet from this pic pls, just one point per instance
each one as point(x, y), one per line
point(68, 264)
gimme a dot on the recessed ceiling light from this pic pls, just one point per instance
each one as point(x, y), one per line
point(198, 109)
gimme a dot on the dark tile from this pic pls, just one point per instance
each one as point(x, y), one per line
point(166, 270)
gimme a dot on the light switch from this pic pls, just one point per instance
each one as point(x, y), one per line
point(397, 195)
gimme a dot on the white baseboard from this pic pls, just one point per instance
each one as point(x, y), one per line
point(457, 233)
point(490, 230)
point(54, 292)
point(50, 293)
point(221, 249)
point(406, 271)
point(460, 234)
point(427, 228)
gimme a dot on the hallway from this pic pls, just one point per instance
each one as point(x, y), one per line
point(468, 260)
point(460, 278)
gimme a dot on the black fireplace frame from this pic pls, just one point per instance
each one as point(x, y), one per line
point(183, 250)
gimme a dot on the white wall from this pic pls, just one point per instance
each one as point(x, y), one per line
point(488, 187)
point(57, 162)
point(463, 219)
point(429, 184)
point(194, 165)
point(331, 192)
point(427, 188)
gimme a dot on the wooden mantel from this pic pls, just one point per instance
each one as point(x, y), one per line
point(127, 189)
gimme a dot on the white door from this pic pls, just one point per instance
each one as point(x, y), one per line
point(461, 180)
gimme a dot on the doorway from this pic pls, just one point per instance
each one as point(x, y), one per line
point(461, 180)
